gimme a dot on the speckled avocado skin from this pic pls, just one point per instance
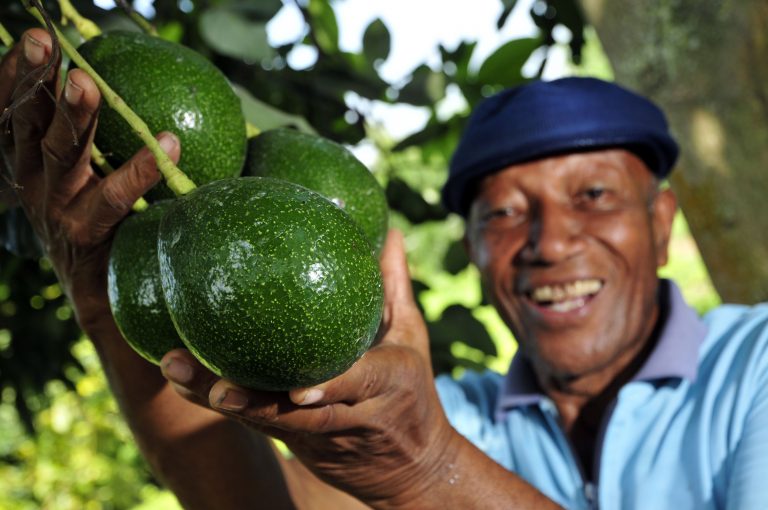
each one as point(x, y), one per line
point(135, 291)
point(172, 88)
point(268, 283)
point(326, 167)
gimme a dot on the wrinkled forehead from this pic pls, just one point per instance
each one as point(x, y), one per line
point(545, 119)
point(612, 168)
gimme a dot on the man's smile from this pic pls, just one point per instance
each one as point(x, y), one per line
point(565, 297)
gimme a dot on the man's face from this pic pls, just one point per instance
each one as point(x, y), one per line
point(568, 248)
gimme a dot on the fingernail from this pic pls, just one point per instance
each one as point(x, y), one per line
point(34, 50)
point(178, 371)
point(72, 93)
point(167, 142)
point(232, 400)
point(312, 396)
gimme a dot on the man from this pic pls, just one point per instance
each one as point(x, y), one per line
point(617, 386)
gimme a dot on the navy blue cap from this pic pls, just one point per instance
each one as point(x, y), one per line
point(541, 119)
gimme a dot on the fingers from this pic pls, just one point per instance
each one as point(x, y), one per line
point(8, 76)
point(36, 89)
point(273, 412)
point(394, 269)
point(66, 146)
point(121, 189)
point(402, 322)
point(378, 371)
point(189, 377)
point(357, 384)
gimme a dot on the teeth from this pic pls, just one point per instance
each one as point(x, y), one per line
point(567, 306)
point(568, 295)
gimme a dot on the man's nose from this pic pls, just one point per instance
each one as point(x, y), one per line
point(555, 234)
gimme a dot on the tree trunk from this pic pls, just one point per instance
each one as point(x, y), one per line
point(706, 63)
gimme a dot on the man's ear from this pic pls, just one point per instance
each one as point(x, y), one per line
point(663, 215)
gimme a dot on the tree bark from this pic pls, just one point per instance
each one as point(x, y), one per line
point(706, 63)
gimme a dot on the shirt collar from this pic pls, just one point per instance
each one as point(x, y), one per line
point(674, 356)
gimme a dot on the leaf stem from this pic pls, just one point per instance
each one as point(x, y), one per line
point(175, 179)
point(85, 27)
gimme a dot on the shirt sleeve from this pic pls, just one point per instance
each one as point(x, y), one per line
point(748, 487)
point(470, 405)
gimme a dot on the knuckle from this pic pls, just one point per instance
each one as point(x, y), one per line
point(57, 154)
point(115, 195)
point(324, 418)
point(267, 414)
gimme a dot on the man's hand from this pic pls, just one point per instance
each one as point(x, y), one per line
point(46, 152)
point(207, 460)
point(376, 431)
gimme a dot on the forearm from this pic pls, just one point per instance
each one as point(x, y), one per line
point(207, 460)
point(464, 477)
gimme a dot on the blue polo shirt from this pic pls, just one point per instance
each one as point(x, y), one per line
point(689, 431)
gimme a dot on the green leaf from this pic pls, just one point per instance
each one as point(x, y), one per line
point(456, 258)
point(324, 25)
point(457, 324)
point(265, 117)
point(229, 33)
point(508, 6)
point(460, 58)
point(376, 41)
point(425, 88)
point(504, 65)
point(263, 10)
point(411, 204)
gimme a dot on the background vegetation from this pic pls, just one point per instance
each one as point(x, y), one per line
point(63, 444)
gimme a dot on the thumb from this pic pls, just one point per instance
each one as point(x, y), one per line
point(402, 322)
point(119, 190)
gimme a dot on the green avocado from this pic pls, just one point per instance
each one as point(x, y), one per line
point(135, 291)
point(172, 88)
point(268, 283)
point(326, 167)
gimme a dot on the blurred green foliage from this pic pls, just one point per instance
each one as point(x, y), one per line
point(63, 444)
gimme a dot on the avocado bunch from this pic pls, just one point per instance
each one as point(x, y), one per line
point(270, 279)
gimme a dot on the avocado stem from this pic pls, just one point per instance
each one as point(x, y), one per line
point(251, 131)
point(5, 37)
point(85, 27)
point(100, 160)
point(137, 18)
point(175, 179)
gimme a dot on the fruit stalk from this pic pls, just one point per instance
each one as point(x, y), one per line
point(251, 131)
point(175, 179)
point(137, 18)
point(85, 27)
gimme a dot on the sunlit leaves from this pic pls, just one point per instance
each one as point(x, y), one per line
point(376, 41)
point(503, 67)
point(228, 32)
point(265, 116)
point(324, 25)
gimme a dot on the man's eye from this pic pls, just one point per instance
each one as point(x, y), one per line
point(594, 193)
point(502, 218)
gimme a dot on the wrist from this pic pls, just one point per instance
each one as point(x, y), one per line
point(433, 478)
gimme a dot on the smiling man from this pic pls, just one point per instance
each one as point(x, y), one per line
point(620, 397)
